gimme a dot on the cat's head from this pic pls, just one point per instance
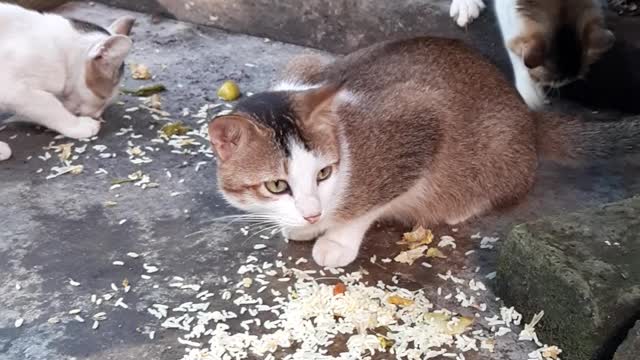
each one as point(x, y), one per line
point(102, 67)
point(556, 57)
point(279, 156)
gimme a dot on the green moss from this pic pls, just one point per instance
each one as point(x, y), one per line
point(563, 266)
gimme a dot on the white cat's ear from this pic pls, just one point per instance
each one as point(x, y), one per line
point(108, 55)
point(228, 132)
point(122, 26)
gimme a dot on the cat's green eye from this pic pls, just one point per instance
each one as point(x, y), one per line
point(277, 187)
point(324, 173)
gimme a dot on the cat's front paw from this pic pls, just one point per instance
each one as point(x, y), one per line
point(300, 234)
point(5, 151)
point(84, 127)
point(330, 253)
point(464, 12)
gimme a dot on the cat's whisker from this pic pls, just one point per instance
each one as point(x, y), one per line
point(267, 228)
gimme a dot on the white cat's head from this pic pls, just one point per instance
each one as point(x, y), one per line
point(103, 67)
point(280, 157)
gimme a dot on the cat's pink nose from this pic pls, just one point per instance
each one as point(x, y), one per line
point(313, 219)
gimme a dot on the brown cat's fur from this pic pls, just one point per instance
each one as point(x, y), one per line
point(422, 130)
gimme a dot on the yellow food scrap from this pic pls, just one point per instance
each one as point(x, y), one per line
point(246, 282)
point(65, 151)
point(229, 91)
point(154, 101)
point(140, 72)
point(418, 237)
point(110, 203)
point(76, 169)
point(125, 283)
point(409, 256)
point(551, 352)
point(385, 342)
point(447, 324)
point(435, 253)
point(176, 128)
point(399, 300)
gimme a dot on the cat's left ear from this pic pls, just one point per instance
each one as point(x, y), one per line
point(108, 55)
point(600, 40)
point(318, 103)
point(122, 26)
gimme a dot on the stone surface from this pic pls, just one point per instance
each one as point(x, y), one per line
point(582, 269)
point(630, 348)
point(57, 229)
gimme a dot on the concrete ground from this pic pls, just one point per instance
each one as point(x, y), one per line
point(76, 226)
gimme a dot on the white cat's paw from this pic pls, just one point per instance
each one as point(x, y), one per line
point(5, 151)
point(330, 253)
point(84, 127)
point(464, 12)
point(297, 234)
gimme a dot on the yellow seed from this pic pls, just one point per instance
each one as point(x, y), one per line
point(229, 91)
point(399, 300)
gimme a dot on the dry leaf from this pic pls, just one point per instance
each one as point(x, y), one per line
point(409, 256)
point(339, 288)
point(418, 237)
point(399, 300)
point(435, 253)
point(140, 72)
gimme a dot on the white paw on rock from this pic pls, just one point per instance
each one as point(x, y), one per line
point(329, 253)
point(5, 151)
point(464, 12)
point(84, 127)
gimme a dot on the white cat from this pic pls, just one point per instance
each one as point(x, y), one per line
point(57, 72)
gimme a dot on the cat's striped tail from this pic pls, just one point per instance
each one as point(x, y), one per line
point(573, 139)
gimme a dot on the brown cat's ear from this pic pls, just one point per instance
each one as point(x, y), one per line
point(316, 102)
point(531, 48)
point(228, 132)
point(122, 26)
point(599, 40)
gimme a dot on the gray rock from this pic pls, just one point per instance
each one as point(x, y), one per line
point(630, 348)
point(588, 289)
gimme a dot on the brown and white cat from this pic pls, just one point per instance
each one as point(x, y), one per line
point(57, 72)
point(550, 42)
point(401, 130)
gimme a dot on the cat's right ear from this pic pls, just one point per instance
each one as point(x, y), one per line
point(530, 48)
point(108, 55)
point(122, 26)
point(227, 133)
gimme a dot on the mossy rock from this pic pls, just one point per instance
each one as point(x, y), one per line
point(630, 348)
point(589, 291)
